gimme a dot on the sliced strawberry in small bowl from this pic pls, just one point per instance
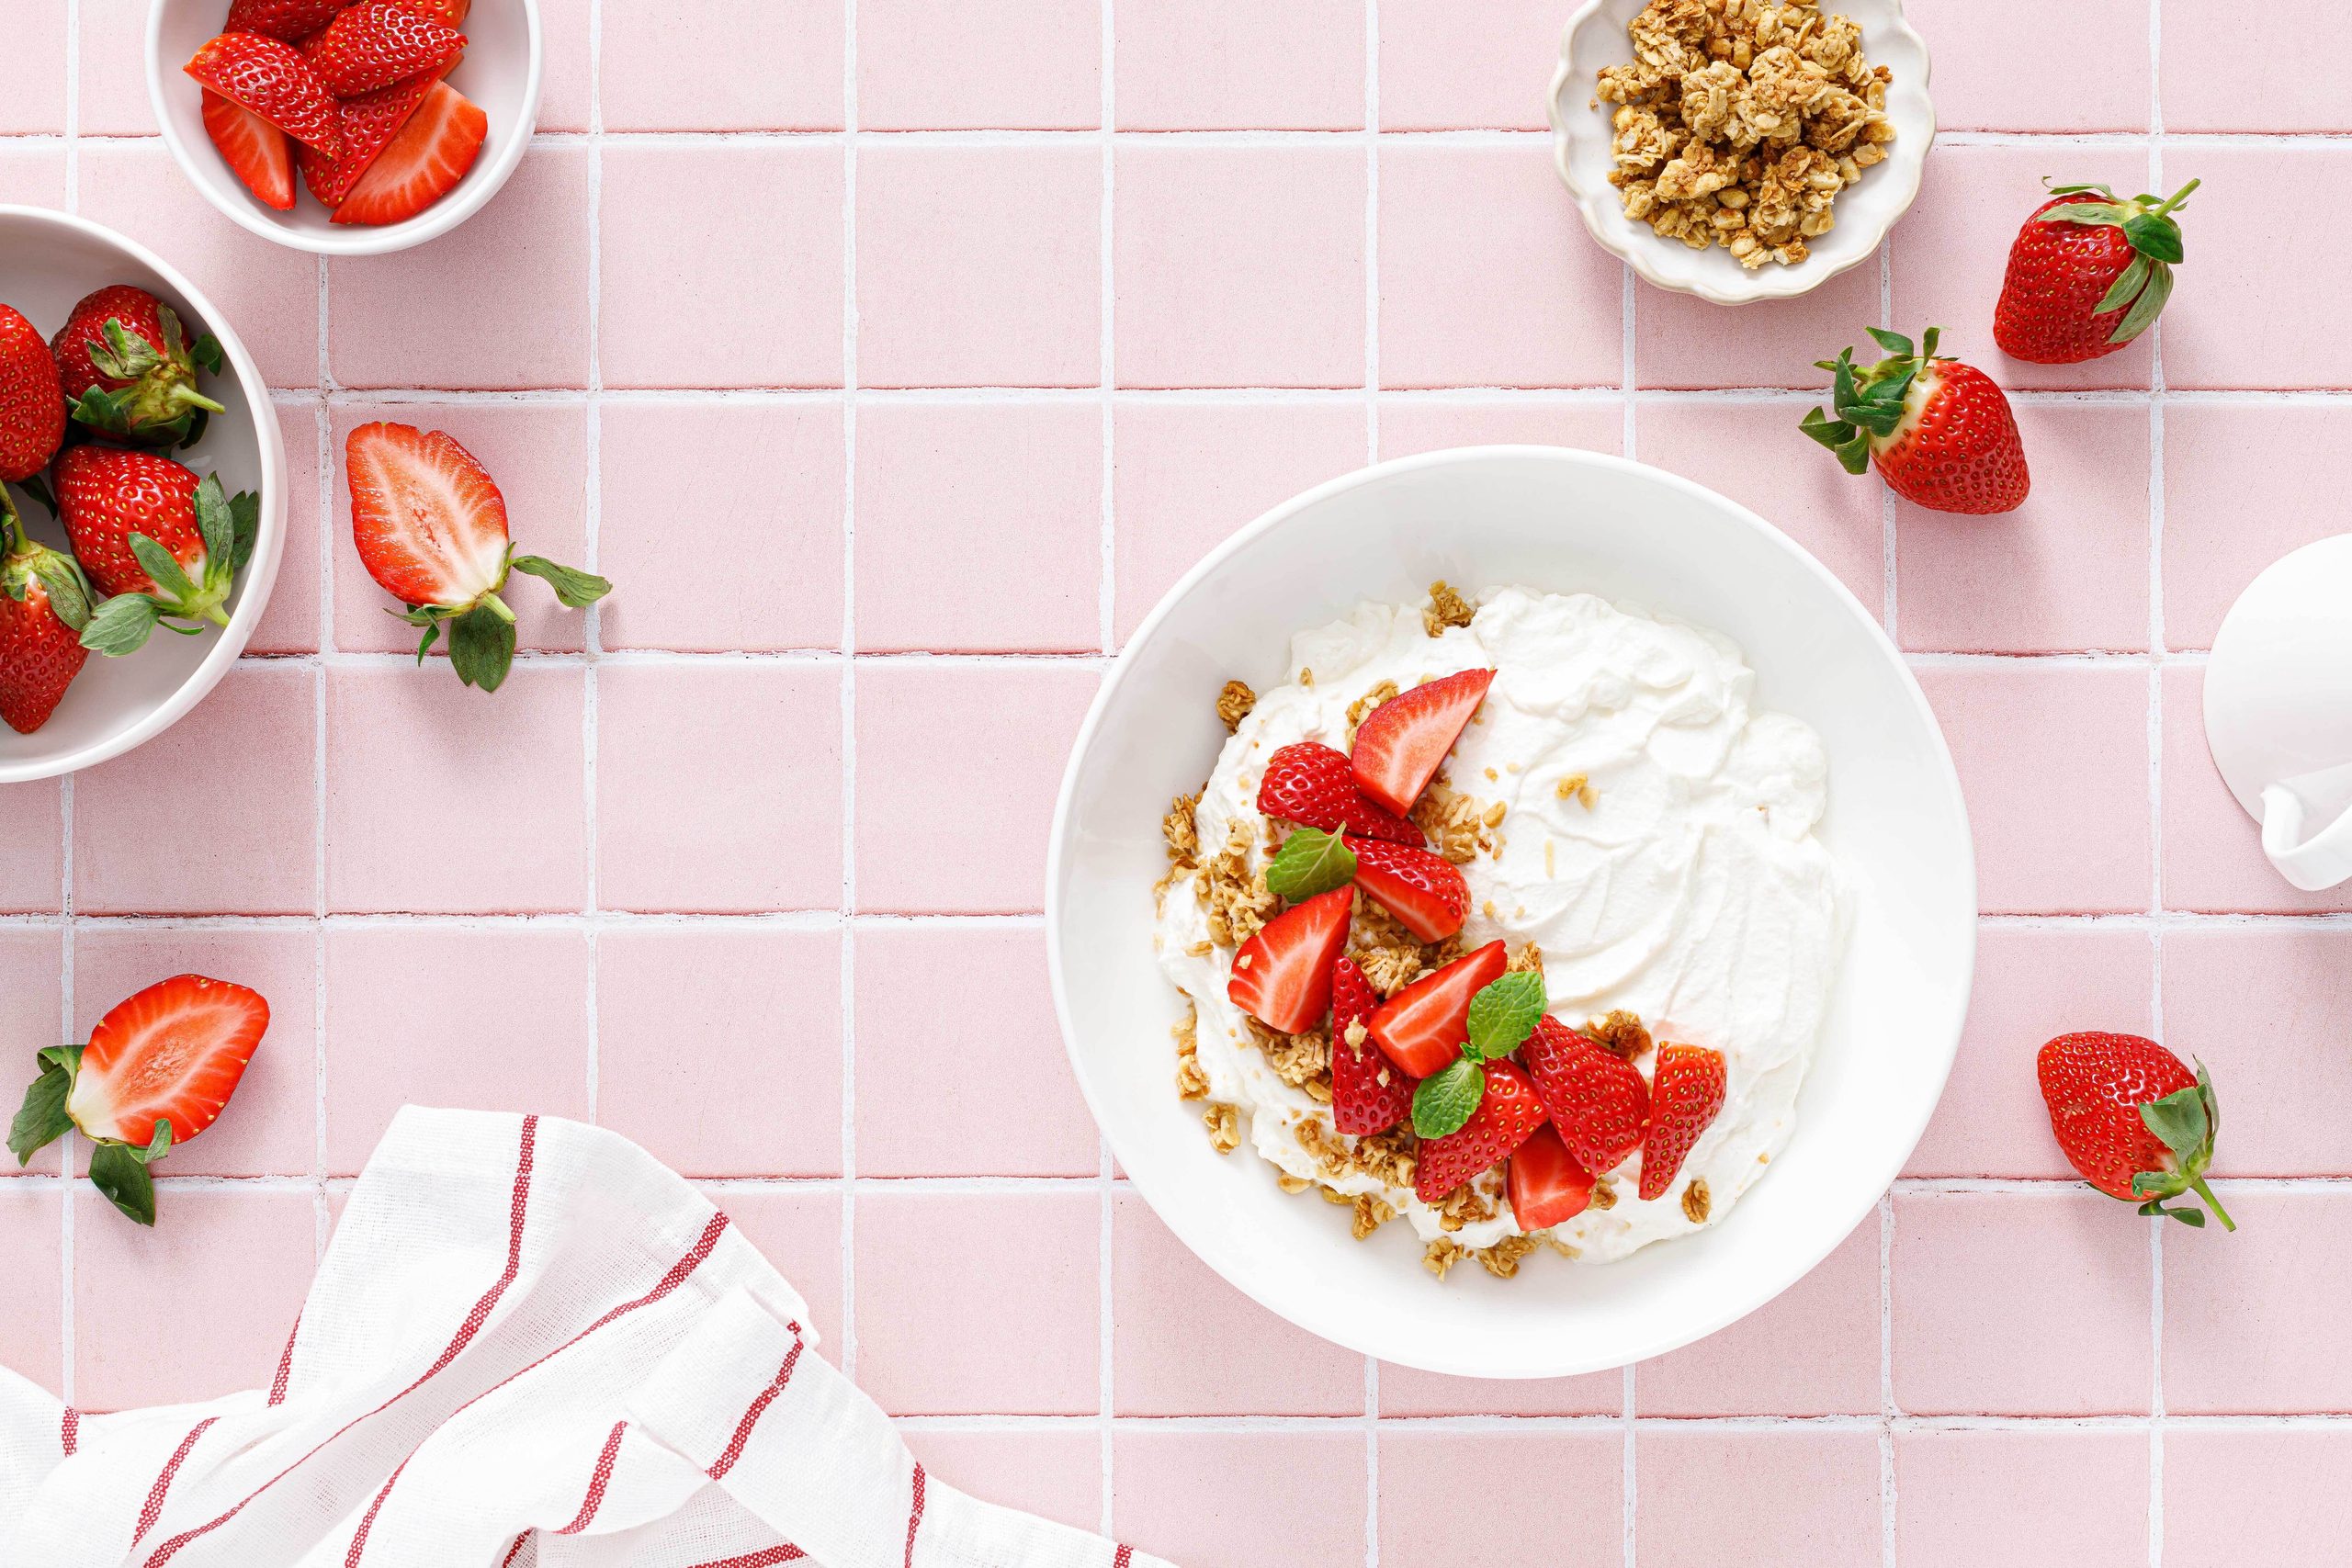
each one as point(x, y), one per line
point(369, 124)
point(255, 151)
point(1422, 1027)
point(1401, 744)
point(1282, 977)
point(421, 164)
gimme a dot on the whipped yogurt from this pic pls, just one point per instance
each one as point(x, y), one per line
point(1691, 892)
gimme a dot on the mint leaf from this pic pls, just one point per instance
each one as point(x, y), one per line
point(42, 1120)
point(115, 1171)
point(1504, 1013)
point(1448, 1098)
point(576, 590)
point(1310, 862)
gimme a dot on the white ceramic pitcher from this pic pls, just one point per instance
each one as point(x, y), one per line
point(2278, 710)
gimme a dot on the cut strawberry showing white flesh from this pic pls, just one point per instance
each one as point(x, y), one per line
point(255, 151)
point(1402, 743)
point(420, 164)
point(1282, 977)
point(1423, 1027)
point(1545, 1183)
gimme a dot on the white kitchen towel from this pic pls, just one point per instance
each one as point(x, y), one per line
point(529, 1344)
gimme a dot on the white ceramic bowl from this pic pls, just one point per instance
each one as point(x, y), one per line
point(48, 261)
point(501, 72)
point(1563, 521)
point(1866, 210)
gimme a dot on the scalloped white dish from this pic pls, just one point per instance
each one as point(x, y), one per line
point(1595, 36)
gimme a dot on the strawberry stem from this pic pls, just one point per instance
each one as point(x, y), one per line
point(496, 607)
point(2174, 199)
point(2197, 1184)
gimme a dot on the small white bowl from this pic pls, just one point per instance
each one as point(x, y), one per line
point(501, 72)
point(1595, 36)
point(47, 262)
point(1560, 519)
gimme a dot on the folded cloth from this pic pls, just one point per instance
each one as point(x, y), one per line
point(529, 1344)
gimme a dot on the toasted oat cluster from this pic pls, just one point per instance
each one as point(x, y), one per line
point(1739, 122)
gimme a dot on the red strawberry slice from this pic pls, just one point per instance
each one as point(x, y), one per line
point(1507, 1116)
point(376, 43)
point(1685, 1095)
point(255, 149)
point(1599, 1101)
point(288, 19)
point(1368, 1094)
point(1401, 744)
point(369, 123)
point(1420, 890)
point(174, 1052)
point(1424, 1026)
point(1282, 977)
point(1547, 1185)
point(270, 77)
point(1309, 784)
point(421, 164)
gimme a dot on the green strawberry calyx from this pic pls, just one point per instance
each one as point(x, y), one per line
point(481, 629)
point(175, 600)
point(25, 561)
point(116, 1168)
point(160, 403)
point(2147, 222)
point(1869, 403)
point(2185, 1122)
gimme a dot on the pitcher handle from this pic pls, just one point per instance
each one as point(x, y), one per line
point(2312, 864)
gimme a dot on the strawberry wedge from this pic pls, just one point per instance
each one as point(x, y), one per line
point(1545, 1183)
point(423, 162)
point(270, 78)
point(1423, 890)
point(1401, 744)
point(255, 149)
point(1368, 1094)
point(1282, 977)
point(368, 124)
point(1422, 1028)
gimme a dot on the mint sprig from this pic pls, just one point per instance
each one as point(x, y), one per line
point(1504, 1013)
point(1311, 861)
point(1448, 1098)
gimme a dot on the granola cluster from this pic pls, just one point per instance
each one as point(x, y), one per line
point(1739, 122)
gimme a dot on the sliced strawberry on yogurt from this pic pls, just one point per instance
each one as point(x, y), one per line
point(1309, 784)
point(1282, 977)
point(1369, 1093)
point(1423, 890)
point(1599, 1101)
point(1423, 1027)
point(1507, 1116)
point(1547, 1185)
point(1401, 744)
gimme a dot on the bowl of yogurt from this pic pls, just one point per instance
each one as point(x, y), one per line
point(1702, 792)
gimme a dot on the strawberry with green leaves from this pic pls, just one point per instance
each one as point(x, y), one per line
point(2087, 274)
point(165, 545)
point(1940, 432)
point(1471, 1113)
point(128, 371)
point(44, 604)
point(2134, 1120)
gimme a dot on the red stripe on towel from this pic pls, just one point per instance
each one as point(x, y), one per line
point(734, 1449)
point(153, 1508)
point(597, 1481)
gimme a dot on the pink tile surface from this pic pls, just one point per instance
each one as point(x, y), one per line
point(1744, 1370)
point(290, 624)
point(1679, 342)
point(1410, 424)
point(2220, 77)
point(2238, 495)
point(704, 47)
point(1572, 1482)
point(568, 82)
point(112, 101)
point(1056, 1473)
point(796, 1226)
point(1406, 1391)
point(1769, 1498)
point(1984, 81)
point(2251, 1328)
point(1449, 66)
point(1230, 64)
point(994, 65)
point(32, 863)
point(2086, 1491)
point(32, 1233)
point(2250, 1000)
point(32, 174)
point(1239, 1499)
point(37, 49)
point(2265, 1495)
point(2213, 856)
point(2256, 326)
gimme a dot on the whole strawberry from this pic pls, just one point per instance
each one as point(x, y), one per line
point(1940, 432)
point(33, 410)
point(2137, 1124)
point(127, 370)
point(2087, 274)
point(165, 543)
point(43, 607)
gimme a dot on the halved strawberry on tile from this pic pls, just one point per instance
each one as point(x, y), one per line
point(1598, 1100)
point(288, 19)
point(256, 151)
point(1369, 1093)
point(1311, 784)
point(1685, 1091)
point(1401, 744)
point(1507, 1114)
point(375, 43)
point(1423, 1027)
point(1282, 977)
point(369, 123)
point(421, 164)
point(270, 78)
point(1547, 1185)
point(1424, 891)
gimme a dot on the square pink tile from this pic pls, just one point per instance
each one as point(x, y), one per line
point(763, 1009)
point(2242, 998)
point(994, 65)
point(2214, 858)
point(681, 247)
point(796, 1226)
point(1952, 248)
point(416, 822)
point(768, 486)
point(537, 453)
point(290, 624)
point(568, 77)
point(1240, 1499)
point(2239, 494)
point(2034, 983)
point(1746, 1369)
point(2219, 75)
point(1979, 1277)
point(979, 267)
point(1016, 1109)
point(112, 99)
point(251, 745)
point(32, 177)
point(1446, 65)
point(1411, 424)
point(1573, 1482)
point(1753, 453)
point(2251, 321)
point(2053, 761)
point(2256, 1501)
point(496, 303)
point(1054, 1473)
point(1985, 82)
point(267, 293)
point(2081, 1496)
point(678, 830)
point(1679, 342)
point(1232, 65)
point(32, 1015)
point(1769, 1498)
point(940, 488)
point(952, 1319)
point(1187, 475)
point(1404, 1391)
point(33, 861)
point(1486, 277)
point(234, 1265)
point(1006, 730)
point(36, 65)
point(2252, 1317)
point(703, 45)
point(486, 1018)
point(32, 1235)
point(1186, 1343)
point(1239, 266)
point(270, 1125)
point(2066, 571)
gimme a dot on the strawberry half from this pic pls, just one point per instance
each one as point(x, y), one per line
point(1311, 784)
point(1547, 1185)
point(165, 545)
point(1368, 1093)
point(270, 77)
point(1599, 1101)
point(288, 19)
point(1507, 1116)
point(1940, 432)
point(369, 123)
point(32, 407)
point(256, 151)
point(421, 164)
point(1401, 744)
point(375, 43)
point(1282, 977)
point(2133, 1119)
point(1424, 891)
point(2087, 274)
point(1422, 1028)
point(46, 604)
point(1685, 1094)
point(127, 370)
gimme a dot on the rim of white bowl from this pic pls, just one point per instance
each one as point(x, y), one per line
point(473, 192)
point(1789, 1267)
point(269, 543)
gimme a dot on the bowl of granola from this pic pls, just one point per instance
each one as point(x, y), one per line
point(1521, 977)
point(1741, 150)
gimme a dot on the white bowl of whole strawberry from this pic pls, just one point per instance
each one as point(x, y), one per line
point(345, 127)
point(142, 494)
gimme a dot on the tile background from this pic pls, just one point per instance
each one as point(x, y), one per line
point(951, 339)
